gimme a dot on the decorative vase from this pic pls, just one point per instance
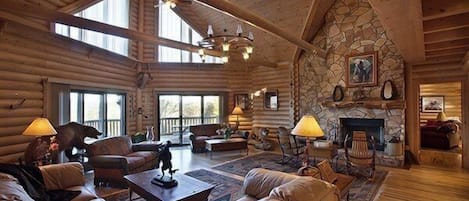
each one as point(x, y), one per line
point(150, 133)
point(394, 149)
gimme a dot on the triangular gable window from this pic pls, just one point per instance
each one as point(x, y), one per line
point(171, 26)
point(113, 12)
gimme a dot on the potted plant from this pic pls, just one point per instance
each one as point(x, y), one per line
point(394, 146)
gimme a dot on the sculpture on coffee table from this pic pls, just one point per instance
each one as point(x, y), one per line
point(165, 157)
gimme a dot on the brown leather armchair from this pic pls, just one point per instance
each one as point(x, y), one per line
point(113, 158)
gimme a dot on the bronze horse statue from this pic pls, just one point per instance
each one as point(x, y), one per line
point(68, 136)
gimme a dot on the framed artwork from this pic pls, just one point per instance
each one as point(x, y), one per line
point(361, 69)
point(242, 101)
point(432, 104)
point(271, 100)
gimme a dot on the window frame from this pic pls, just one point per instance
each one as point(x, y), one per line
point(103, 108)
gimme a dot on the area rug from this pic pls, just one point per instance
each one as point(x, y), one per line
point(362, 189)
point(226, 188)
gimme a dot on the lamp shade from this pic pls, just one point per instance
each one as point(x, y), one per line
point(308, 127)
point(237, 111)
point(40, 127)
point(441, 116)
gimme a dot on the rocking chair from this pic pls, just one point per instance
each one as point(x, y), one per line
point(359, 155)
point(288, 145)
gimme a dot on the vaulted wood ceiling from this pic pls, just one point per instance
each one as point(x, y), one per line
point(446, 29)
point(288, 15)
point(443, 26)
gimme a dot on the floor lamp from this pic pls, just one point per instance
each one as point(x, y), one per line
point(237, 111)
point(307, 127)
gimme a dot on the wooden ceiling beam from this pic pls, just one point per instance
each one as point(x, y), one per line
point(231, 9)
point(402, 20)
point(29, 10)
point(433, 9)
point(78, 6)
point(446, 23)
point(447, 45)
point(452, 50)
point(445, 58)
point(450, 35)
point(313, 22)
point(23, 21)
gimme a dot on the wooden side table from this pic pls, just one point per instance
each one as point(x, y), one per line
point(329, 153)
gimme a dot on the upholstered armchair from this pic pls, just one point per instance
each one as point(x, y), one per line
point(113, 158)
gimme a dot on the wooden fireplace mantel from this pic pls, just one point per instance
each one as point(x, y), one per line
point(370, 104)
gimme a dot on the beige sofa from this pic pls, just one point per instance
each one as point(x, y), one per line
point(66, 176)
point(268, 185)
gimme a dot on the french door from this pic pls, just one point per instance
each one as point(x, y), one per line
point(177, 112)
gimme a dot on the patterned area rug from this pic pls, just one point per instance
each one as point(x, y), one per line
point(361, 190)
point(226, 188)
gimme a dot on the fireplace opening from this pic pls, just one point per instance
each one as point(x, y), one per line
point(372, 127)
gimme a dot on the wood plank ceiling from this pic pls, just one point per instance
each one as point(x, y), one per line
point(52, 4)
point(288, 15)
point(446, 29)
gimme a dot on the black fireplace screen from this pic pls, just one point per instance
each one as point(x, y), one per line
point(372, 127)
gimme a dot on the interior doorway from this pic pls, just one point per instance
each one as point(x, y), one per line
point(441, 127)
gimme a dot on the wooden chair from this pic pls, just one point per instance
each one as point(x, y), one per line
point(341, 181)
point(359, 155)
point(288, 145)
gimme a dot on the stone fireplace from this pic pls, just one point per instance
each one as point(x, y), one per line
point(372, 127)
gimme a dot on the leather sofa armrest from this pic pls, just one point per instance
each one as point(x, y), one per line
point(146, 147)
point(109, 162)
point(62, 176)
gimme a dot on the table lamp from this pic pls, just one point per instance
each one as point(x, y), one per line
point(307, 127)
point(40, 127)
point(237, 111)
point(441, 116)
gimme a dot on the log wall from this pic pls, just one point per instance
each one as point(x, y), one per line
point(273, 79)
point(452, 97)
point(27, 57)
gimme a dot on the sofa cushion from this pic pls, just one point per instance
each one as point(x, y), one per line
point(85, 193)
point(259, 182)
point(202, 138)
point(10, 189)
point(121, 145)
point(147, 155)
point(204, 129)
point(217, 137)
point(135, 162)
point(305, 189)
point(54, 175)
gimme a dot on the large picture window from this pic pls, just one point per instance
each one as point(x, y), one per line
point(171, 26)
point(113, 12)
point(103, 111)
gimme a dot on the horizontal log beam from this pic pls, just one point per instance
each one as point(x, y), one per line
point(78, 6)
point(433, 9)
point(447, 45)
point(449, 35)
point(252, 19)
point(30, 10)
point(446, 23)
point(465, 62)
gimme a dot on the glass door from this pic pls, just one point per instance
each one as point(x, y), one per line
point(178, 112)
point(191, 115)
point(169, 121)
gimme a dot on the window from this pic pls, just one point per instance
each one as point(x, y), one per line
point(103, 111)
point(113, 12)
point(171, 26)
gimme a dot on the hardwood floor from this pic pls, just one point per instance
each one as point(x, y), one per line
point(417, 183)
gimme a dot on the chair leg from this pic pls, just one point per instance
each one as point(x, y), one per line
point(348, 195)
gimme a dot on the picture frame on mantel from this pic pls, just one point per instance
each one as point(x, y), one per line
point(361, 69)
point(432, 104)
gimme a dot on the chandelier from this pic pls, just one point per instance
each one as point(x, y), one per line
point(226, 43)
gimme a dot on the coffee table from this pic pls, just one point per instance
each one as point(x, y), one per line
point(188, 188)
point(231, 144)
